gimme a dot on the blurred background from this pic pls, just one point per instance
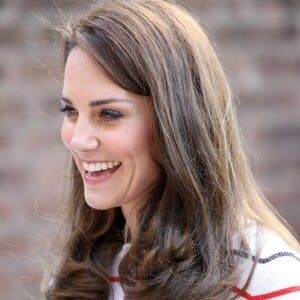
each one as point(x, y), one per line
point(258, 43)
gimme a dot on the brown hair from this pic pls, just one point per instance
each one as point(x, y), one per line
point(182, 248)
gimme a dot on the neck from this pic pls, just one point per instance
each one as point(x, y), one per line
point(130, 226)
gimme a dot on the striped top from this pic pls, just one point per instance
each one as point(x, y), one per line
point(276, 275)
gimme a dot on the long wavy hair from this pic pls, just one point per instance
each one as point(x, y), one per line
point(182, 248)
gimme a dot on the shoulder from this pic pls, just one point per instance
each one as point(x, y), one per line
point(277, 272)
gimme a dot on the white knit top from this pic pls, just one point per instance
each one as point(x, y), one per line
point(276, 275)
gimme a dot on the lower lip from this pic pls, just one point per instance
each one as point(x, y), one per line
point(91, 179)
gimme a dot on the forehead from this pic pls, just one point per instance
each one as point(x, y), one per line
point(85, 81)
point(82, 70)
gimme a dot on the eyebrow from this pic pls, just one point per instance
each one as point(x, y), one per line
point(97, 102)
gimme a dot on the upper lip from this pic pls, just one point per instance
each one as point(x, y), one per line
point(92, 161)
point(96, 161)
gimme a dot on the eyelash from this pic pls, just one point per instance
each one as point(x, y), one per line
point(110, 115)
point(68, 111)
point(106, 114)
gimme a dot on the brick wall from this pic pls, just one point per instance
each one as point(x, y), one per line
point(259, 45)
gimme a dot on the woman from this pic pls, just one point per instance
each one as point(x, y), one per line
point(162, 204)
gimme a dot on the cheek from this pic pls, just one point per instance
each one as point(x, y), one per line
point(134, 142)
point(140, 149)
point(66, 133)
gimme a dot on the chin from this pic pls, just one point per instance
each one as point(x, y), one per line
point(99, 204)
point(96, 205)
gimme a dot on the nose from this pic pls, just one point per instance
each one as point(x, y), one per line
point(84, 138)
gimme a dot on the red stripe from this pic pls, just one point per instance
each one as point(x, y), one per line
point(273, 294)
point(241, 293)
point(115, 279)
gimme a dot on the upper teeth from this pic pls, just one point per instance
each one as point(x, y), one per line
point(99, 166)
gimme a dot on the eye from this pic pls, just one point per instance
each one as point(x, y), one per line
point(110, 115)
point(69, 111)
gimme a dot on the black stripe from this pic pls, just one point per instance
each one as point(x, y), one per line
point(268, 259)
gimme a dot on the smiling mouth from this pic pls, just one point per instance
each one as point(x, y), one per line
point(100, 169)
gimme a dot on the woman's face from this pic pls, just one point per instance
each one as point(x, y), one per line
point(108, 130)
